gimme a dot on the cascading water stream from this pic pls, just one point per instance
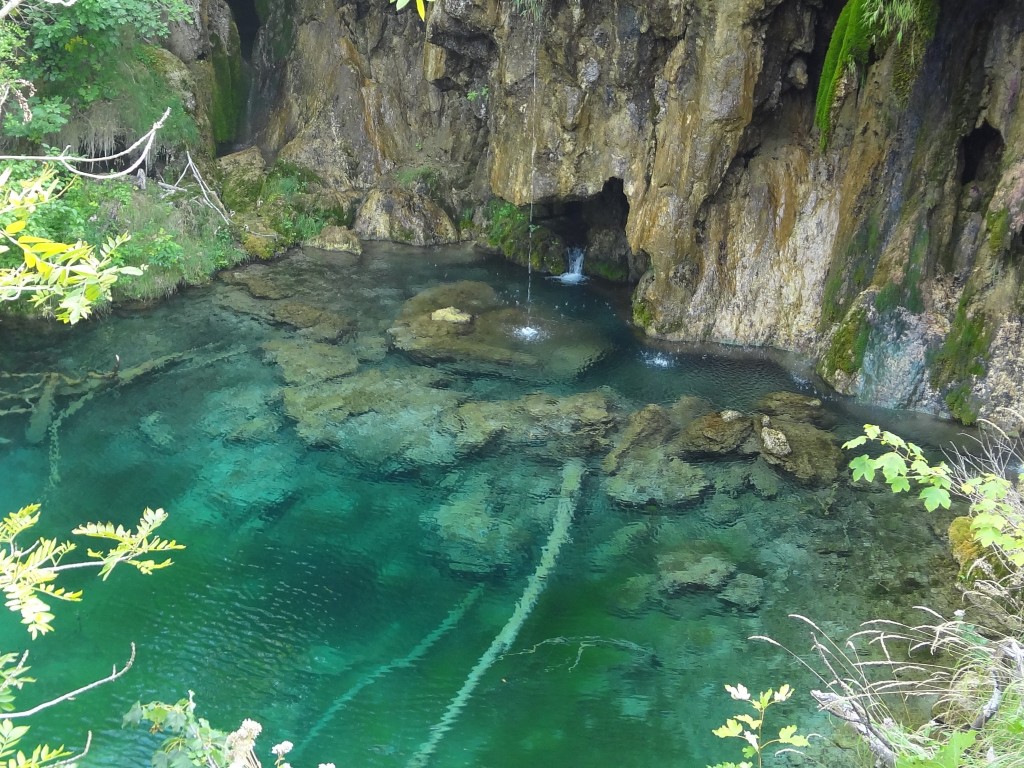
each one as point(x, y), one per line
point(574, 274)
point(529, 332)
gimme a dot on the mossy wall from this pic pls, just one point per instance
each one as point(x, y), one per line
point(230, 88)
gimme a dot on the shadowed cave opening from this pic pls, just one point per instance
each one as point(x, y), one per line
point(248, 22)
point(598, 224)
point(981, 151)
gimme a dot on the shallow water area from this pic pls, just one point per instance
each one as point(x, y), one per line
point(365, 464)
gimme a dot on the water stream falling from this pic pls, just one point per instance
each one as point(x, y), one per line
point(574, 274)
point(527, 331)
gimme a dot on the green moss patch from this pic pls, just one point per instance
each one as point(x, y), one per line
point(509, 230)
point(962, 356)
point(849, 344)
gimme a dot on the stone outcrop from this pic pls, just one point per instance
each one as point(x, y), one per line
point(888, 256)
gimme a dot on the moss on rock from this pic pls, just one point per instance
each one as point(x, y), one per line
point(850, 342)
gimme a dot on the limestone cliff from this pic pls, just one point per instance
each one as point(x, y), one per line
point(676, 138)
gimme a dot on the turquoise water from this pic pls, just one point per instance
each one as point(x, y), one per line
point(326, 551)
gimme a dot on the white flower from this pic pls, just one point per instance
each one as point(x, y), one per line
point(250, 728)
point(282, 749)
point(326, 765)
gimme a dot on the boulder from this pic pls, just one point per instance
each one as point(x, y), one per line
point(241, 177)
point(404, 217)
point(809, 454)
point(334, 238)
point(714, 434)
point(432, 328)
point(792, 406)
point(652, 479)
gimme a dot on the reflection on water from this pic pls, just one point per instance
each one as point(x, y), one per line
point(365, 486)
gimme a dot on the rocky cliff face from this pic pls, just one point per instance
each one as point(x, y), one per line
point(675, 138)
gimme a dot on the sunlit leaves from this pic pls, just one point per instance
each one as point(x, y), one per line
point(131, 545)
point(749, 728)
point(997, 516)
point(28, 573)
point(421, 7)
point(68, 279)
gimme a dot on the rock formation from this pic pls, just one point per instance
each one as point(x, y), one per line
point(676, 140)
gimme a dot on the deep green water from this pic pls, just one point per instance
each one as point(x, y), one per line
point(309, 568)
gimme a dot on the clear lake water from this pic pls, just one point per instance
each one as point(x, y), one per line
point(325, 554)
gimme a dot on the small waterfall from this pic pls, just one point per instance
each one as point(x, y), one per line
point(574, 274)
point(529, 332)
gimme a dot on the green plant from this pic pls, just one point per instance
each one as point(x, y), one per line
point(73, 277)
point(478, 94)
point(910, 24)
point(998, 225)
point(28, 575)
point(996, 506)
point(750, 728)
point(848, 47)
point(849, 345)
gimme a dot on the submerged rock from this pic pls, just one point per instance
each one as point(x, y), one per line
point(308, 362)
point(433, 328)
point(714, 434)
point(809, 454)
point(652, 479)
point(259, 281)
point(745, 591)
point(793, 406)
point(709, 572)
point(488, 525)
point(313, 321)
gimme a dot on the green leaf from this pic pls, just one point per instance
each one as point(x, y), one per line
point(934, 498)
point(863, 468)
point(730, 729)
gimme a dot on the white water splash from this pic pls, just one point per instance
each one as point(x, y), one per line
point(574, 275)
point(657, 360)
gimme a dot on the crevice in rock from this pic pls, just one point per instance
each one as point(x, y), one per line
point(248, 22)
point(980, 153)
point(598, 224)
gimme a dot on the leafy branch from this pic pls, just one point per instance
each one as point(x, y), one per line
point(996, 507)
point(27, 573)
point(750, 728)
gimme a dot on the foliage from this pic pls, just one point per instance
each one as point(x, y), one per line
point(849, 344)
point(910, 24)
point(996, 507)
point(73, 276)
point(847, 48)
point(191, 740)
point(66, 55)
point(421, 8)
point(510, 231)
point(425, 181)
point(28, 574)
point(289, 201)
point(750, 728)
